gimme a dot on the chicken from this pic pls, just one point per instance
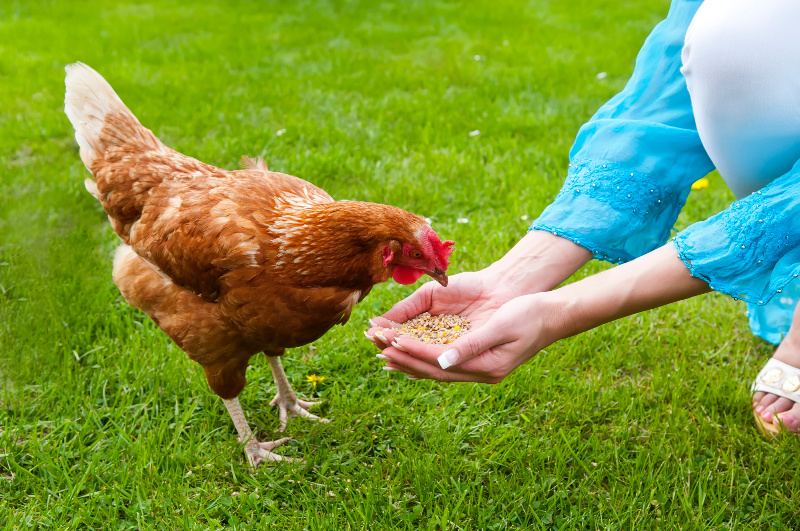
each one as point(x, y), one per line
point(233, 263)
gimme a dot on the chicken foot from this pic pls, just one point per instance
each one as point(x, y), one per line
point(257, 452)
point(287, 402)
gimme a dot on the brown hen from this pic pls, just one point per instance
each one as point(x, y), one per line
point(233, 263)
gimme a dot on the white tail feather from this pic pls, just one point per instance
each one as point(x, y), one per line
point(88, 100)
point(91, 187)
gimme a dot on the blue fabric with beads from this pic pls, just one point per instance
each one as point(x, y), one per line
point(633, 164)
point(632, 167)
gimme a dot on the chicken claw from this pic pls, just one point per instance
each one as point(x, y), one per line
point(257, 452)
point(293, 407)
point(287, 402)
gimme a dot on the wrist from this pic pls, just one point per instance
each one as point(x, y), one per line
point(544, 318)
point(538, 262)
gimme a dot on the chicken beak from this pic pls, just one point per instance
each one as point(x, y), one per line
point(439, 276)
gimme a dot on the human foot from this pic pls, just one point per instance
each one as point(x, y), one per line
point(771, 409)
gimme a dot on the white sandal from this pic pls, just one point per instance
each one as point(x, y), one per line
point(779, 379)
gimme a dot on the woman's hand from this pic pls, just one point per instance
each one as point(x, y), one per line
point(474, 296)
point(539, 262)
point(500, 340)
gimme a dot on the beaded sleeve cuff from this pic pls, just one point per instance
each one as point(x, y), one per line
point(751, 250)
point(615, 213)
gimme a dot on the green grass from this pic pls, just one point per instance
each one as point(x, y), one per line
point(642, 424)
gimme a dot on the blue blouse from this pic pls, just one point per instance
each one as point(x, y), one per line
point(631, 170)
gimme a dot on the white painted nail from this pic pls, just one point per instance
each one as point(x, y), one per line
point(449, 358)
point(369, 337)
point(398, 347)
point(382, 338)
point(413, 378)
point(382, 357)
point(372, 323)
point(391, 369)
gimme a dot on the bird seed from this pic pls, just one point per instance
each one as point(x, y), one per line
point(435, 329)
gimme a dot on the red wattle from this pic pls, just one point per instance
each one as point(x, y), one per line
point(406, 275)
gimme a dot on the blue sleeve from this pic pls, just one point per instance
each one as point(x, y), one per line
point(751, 250)
point(633, 164)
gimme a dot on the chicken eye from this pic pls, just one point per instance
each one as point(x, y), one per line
point(415, 254)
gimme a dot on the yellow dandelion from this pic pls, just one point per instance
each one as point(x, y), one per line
point(700, 184)
point(314, 379)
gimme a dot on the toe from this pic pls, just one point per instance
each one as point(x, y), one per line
point(254, 457)
point(271, 445)
point(780, 405)
point(303, 413)
point(305, 404)
point(767, 399)
point(757, 397)
point(790, 418)
point(283, 418)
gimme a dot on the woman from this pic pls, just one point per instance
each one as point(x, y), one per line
point(715, 85)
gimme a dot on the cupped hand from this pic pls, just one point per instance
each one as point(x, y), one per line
point(503, 334)
point(506, 325)
point(473, 295)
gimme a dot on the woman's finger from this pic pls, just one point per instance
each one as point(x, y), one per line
point(426, 352)
point(421, 369)
point(459, 351)
point(418, 302)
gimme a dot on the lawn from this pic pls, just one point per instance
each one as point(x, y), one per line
point(644, 423)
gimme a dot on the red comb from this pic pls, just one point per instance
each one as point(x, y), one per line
point(442, 249)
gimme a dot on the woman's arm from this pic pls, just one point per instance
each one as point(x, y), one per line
point(657, 278)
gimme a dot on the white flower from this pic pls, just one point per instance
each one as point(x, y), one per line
point(477, 57)
point(429, 221)
point(523, 218)
point(474, 133)
point(279, 132)
point(462, 220)
point(601, 75)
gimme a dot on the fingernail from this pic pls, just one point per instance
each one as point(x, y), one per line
point(448, 359)
point(398, 347)
point(413, 378)
point(369, 337)
point(382, 357)
point(391, 369)
point(382, 338)
point(372, 323)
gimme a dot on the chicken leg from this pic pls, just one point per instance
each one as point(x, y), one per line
point(257, 452)
point(287, 402)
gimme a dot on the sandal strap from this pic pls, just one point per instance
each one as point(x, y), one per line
point(780, 379)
